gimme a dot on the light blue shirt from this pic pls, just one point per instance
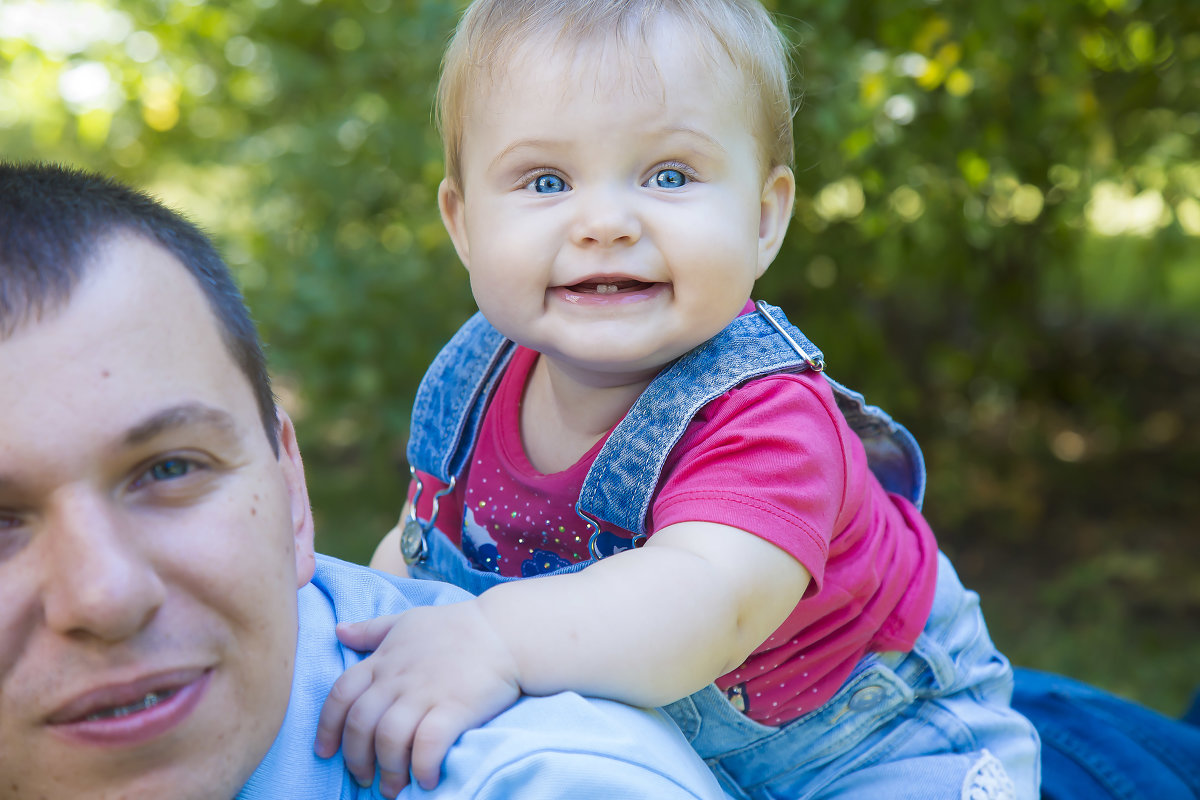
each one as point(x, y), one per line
point(564, 746)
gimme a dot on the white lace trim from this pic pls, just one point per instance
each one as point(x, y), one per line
point(987, 780)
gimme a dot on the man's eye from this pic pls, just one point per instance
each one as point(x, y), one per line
point(669, 179)
point(13, 534)
point(547, 183)
point(169, 469)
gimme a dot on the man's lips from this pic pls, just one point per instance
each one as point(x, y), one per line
point(122, 699)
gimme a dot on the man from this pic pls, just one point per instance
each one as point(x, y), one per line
point(155, 529)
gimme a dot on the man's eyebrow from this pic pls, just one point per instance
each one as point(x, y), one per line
point(180, 416)
point(213, 420)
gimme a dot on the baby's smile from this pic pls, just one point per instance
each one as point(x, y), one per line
point(608, 289)
point(609, 286)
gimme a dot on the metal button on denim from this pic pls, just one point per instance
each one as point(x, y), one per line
point(866, 698)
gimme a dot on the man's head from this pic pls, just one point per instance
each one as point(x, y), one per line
point(736, 35)
point(151, 539)
point(51, 221)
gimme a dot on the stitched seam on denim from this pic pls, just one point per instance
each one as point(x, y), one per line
point(821, 756)
point(1066, 743)
point(593, 497)
point(1176, 760)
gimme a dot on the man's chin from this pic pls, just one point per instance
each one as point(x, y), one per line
point(198, 763)
point(177, 781)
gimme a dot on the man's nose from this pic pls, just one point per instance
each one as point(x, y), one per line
point(99, 580)
point(606, 216)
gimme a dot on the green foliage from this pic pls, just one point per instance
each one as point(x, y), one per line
point(997, 236)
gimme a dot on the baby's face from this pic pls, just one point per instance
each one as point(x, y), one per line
point(614, 211)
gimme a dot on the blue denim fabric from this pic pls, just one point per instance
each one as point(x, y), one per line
point(455, 391)
point(452, 397)
point(902, 720)
point(903, 725)
point(922, 719)
point(1097, 745)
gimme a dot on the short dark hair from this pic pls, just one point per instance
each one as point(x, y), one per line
point(52, 218)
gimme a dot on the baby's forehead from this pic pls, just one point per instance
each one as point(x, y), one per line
point(622, 61)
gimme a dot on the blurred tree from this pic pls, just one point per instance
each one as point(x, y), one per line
point(997, 236)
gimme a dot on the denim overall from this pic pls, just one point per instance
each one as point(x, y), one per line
point(863, 741)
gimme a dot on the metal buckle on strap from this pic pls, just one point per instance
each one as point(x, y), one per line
point(593, 542)
point(815, 363)
point(412, 538)
point(594, 539)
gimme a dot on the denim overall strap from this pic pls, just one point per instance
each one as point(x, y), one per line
point(452, 397)
point(621, 482)
point(618, 488)
point(892, 452)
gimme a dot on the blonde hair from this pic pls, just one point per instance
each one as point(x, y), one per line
point(492, 31)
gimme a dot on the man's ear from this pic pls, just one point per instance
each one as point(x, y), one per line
point(297, 489)
point(775, 211)
point(450, 202)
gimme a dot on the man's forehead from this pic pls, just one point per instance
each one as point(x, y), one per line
point(137, 326)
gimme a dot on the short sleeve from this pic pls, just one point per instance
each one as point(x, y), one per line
point(768, 457)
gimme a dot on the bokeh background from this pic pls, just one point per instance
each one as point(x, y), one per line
point(997, 237)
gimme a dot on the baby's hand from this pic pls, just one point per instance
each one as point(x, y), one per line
point(436, 672)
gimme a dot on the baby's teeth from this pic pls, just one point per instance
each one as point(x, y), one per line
point(606, 288)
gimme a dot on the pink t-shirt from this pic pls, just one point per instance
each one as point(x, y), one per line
point(773, 457)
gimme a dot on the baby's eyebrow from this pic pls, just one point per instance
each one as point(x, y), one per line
point(525, 144)
point(693, 133)
point(180, 416)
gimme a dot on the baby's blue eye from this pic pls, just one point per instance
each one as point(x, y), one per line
point(170, 469)
point(548, 184)
point(669, 179)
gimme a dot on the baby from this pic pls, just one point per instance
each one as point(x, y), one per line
point(617, 178)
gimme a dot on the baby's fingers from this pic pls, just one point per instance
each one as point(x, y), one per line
point(365, 635)
point(393, 749)
point(380, 727)
point(346, 690)
point(439, 729)
point(392, 783)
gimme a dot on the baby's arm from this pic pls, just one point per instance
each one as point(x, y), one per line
point(645, 626)
point(652, 625)
point(387, 556)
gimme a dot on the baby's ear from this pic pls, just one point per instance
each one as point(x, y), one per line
point(775, 211)
point(450, 202)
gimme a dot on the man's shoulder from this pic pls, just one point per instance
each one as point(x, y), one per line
point(356, 592)
point(545, 746)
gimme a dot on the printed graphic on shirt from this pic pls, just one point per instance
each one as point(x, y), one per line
point(543, 561)
point(479, 548)
point(512, 528)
